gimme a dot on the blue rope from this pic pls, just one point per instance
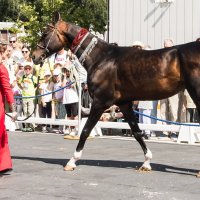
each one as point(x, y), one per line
point(151, 117)
point(167, 121)
point(40, 95)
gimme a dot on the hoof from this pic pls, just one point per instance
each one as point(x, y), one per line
point(75, 137)
point(69, 168)
point(198, 175)
point(143, 169)
point(71, 137)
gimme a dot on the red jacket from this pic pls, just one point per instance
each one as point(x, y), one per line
point(5, 92)
point(5, 89)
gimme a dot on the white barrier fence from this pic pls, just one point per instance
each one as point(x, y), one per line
point(189, 134)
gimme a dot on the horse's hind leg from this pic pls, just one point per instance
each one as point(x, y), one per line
point(95, 114)
point(127, 111)
point(194, 92)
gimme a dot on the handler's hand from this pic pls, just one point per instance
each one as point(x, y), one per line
point(14, 116)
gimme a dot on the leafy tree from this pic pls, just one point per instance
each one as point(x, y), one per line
point(9, 10)
point(33, 15)
point(86, 13)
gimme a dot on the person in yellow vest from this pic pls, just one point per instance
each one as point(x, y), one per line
point(40, 70)
point(28, 84)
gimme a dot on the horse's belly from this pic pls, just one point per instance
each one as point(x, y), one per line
point(149, 92)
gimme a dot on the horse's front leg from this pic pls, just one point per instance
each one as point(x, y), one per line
point(131, 119)
point(95, 114)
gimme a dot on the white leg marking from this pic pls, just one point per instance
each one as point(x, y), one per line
point(148, 157)
point(72, 161)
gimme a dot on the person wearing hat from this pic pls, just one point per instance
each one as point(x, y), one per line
point(70, 98)
point(45, 88)
point(5, 92)
point(40, 70)
point(58, 98)
point(28, 84)
point(138, 45)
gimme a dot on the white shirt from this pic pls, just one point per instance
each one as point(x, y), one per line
point(70, 94)
point(145, 105)
point(59, 94)
point(81, 70)
point(190, 103)
point(17, 55)
point(47, 87)
point(11, 69)
point(60, 58)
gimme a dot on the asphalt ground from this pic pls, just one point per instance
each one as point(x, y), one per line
point(106, 171)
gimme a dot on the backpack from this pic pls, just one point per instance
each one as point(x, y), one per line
point(34, 84)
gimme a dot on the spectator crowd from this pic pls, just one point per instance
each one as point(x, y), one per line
point(29, 80)
point(60, 70)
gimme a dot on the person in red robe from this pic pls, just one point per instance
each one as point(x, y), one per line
point(5, 93)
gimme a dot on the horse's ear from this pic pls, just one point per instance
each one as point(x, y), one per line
point(56, 17)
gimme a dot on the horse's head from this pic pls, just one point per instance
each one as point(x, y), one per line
point(52, 40)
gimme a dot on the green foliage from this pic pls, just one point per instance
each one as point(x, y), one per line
point(9, 10)
point(33, 15)
point(86, 13)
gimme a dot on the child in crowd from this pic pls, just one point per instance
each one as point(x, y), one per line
point(58, 98)
point(28, 83)
point(70, 98)
point(46, 87)
point(57, 66)
point(18, 101)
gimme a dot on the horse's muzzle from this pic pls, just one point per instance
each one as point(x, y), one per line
point(38, 59)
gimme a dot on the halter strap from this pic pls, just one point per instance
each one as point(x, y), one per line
point(88, 50)
point(46, 48)
point(80, 37)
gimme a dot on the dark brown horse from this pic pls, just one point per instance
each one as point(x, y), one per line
point(119, 75)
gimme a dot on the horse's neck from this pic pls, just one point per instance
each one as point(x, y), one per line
point(72, 31)
point(87, 48)
point(87, 51)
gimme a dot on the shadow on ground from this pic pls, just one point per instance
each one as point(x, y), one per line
point(114, 164)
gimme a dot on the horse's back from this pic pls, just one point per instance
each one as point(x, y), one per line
point(126, 74)
point(148, 74)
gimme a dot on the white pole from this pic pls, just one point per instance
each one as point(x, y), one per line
point(79, 105)
point(82, 74)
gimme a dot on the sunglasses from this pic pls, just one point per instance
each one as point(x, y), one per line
point(12, 41)
point(24, 51)
point(27, 68)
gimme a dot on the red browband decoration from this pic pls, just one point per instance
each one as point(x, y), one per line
point(78, 39)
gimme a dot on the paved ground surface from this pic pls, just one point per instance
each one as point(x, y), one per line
point(106, 172)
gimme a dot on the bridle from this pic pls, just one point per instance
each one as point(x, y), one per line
point(55, 30)
point(76, 43)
